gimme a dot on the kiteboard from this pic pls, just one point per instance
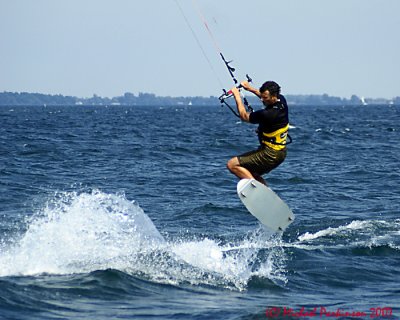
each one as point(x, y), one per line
point(265, 204)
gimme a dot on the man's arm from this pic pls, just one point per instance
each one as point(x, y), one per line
point(244, 115)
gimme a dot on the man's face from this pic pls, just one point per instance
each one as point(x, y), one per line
point(267, 99)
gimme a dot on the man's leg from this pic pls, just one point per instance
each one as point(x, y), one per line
point(241, 172)
point(234, 167)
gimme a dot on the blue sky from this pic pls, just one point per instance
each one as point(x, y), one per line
point(86, 47)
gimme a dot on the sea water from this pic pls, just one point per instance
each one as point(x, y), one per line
point(130, 213)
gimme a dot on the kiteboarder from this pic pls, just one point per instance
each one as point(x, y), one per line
point(273, 125)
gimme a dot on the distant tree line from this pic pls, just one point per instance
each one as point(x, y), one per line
point(150, 99)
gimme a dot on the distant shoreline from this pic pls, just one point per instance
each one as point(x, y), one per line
point(149, 99)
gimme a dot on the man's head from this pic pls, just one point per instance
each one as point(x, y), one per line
point(270, 91)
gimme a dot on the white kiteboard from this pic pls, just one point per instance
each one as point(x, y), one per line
point(265, 204)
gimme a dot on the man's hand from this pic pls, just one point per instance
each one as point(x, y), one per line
point(246, 85)
point(235, 91)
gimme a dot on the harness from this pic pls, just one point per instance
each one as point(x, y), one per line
point(276, 140)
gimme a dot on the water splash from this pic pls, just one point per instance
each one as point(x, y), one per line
point(84, 232)
point(76, 232)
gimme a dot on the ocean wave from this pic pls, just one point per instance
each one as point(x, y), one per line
point(85, 232)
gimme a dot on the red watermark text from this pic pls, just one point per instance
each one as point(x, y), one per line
point(324, 312)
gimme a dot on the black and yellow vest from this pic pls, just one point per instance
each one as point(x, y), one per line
point(276, 139)
point(273, 124)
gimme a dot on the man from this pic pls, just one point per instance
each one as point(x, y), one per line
point(273, 125)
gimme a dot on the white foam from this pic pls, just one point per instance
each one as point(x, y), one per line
point(354, 225)
point(358, 233)
point(207, 255)
point(234, 264)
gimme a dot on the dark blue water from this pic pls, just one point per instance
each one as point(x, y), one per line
point(129, 213)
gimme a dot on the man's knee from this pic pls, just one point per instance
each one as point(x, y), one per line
point(232, 163)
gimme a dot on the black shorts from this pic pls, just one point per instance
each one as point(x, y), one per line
point(262, 160)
